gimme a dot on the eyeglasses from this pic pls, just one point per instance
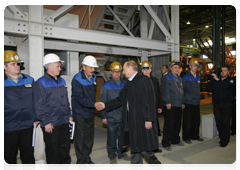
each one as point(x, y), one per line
point(147, 68)
point(20, 64)
point(116, 71)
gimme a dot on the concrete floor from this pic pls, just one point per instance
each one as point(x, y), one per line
point(206, 155)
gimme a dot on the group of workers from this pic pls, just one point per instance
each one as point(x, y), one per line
point(130, 109)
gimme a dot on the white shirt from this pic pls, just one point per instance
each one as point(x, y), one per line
point(131, 78)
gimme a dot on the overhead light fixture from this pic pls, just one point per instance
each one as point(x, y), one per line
point(188, 22)
point(233, 52)
point(230, 40)
point(206, 26)
point(204, 56)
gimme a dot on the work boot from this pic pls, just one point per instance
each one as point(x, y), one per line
point(168, 148)
point(125, 157)
point(188, 141)
point(113, 160)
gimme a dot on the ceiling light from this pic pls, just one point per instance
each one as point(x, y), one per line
point(230, 40)
point(206, 26)
point(188, 22)
point(233, 52)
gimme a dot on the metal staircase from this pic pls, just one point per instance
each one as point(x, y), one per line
point(107, 22)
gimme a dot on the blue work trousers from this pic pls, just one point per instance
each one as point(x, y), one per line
point(113, 131)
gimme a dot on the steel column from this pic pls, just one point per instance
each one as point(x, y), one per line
point(36, 52)
point(216, 35)
point(223, 35)
point(175, 31)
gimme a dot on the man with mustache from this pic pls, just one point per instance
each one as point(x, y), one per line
point(83, 108)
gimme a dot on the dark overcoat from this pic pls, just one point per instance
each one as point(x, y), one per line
point(158, 97)
point(139, 95)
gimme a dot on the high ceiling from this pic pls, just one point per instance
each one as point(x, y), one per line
point(199, 17)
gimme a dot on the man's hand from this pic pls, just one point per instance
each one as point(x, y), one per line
point(99, 106)
point(159, 110)
point(49, 128)
point(148, 125)
point(168, 106)
point(215, 76)
point(104, 121)
point(183, 106)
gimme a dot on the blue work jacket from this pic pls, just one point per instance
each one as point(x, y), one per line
point(109, 91)
point(83, 95)
point(51, 101)
point(18, 103)
point(191, 86)
point(172, 90)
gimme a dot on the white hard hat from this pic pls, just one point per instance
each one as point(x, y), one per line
point(90, 61)
point(51, 58)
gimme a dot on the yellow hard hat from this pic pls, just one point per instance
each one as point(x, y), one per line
point(11, 56)
point(193, 61)
point(115, 66)
point(174, 62)
point(146, 64)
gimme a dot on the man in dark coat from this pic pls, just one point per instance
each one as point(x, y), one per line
point(138, 115)
point(146, 70)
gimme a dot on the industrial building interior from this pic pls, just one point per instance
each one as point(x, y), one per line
point(158, 33)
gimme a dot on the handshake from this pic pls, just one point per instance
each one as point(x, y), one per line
point(99, 106)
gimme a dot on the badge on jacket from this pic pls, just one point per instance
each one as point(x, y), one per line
point(28, 85)
point(231, 81)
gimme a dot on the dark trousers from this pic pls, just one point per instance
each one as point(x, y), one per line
point(21, 139)
point(172, 126)
point(137, 158)
point(113, 131)
point(83, 139)
point(222, 113)
point(191, 122)
point(233, 125)
point(57, 145)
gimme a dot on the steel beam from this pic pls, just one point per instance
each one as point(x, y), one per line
point(93, 48)
point(17, 13)
point(152, 25)
point(58, 32)
point(167, 16)
point(58, 14)
point(158, 22)
point(119, 20)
